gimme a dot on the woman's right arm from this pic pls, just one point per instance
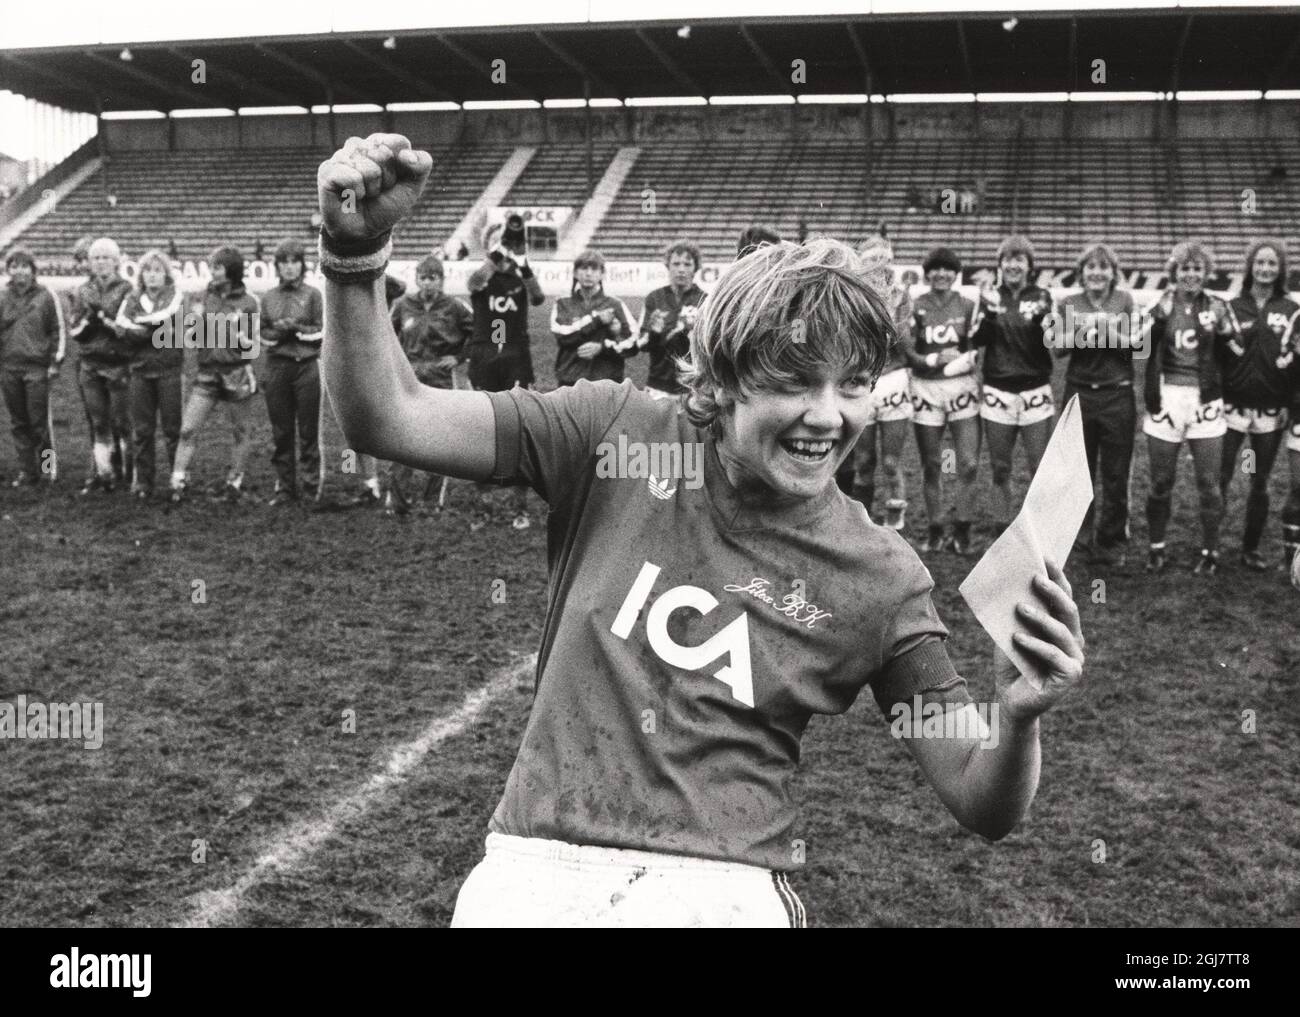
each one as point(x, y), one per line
point(381, 407)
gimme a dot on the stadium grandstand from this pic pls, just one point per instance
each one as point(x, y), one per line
point(839, 130)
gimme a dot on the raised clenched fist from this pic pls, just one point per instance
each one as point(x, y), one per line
point(369, 185)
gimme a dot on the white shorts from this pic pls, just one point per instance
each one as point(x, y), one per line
point(1251, 421)
point(938, 401)
point(891, 399)
point(527, 882)
point(1293, 436)
point(1183, 417)
point(1018, 409)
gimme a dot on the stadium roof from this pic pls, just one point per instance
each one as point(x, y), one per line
point(1144, 51)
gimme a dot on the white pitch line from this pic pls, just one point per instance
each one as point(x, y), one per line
point(294, 844)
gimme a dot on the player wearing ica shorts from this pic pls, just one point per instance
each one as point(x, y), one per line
point(1184, 398)
point(667, 318)
point(1098, 329)
point(1017, 370)
point(229, 323)
point(890, 409)
point(32, 346)
point(1256, 382)
point(945, 392)
point(652, 784)
point(149, 318)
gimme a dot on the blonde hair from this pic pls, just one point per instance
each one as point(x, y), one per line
point(1098, 252)
point(1189, 250)
point(776, 316)
point(148, 258)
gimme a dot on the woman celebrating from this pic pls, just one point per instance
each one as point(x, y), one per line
point(151, 311)
point(1257, 383)
point(945, 393)
point(1101, 327)
point(652, 784)
point(1017, 396)
point(1184, 399)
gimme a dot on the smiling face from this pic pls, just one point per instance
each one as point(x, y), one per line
point(941, 279)
point(1015, 270)
point(785, 444)
point(1098, 274)
point(1265, 266)
point(1190, 276)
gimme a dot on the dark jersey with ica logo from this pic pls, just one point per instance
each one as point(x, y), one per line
point(1016, 358)
point(500, 315)
point(690, 636)
point(941, 321)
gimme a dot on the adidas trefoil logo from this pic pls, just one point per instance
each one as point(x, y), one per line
point(660, 488)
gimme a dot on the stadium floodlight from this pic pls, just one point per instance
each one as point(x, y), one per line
point(667, 100)
point(935, 97)
point(126, 54)
point(1010, 24)
point(421, 107)
point(271, 111)
point(320, 108)
point(833, 100)
point(1022, 96)
point(1239, 95)
point(684, 32)
point(751, 100)
point(197, 114)
point(134, 114)
point(357, 107)
point(563, 103)
point(1282, 93)
point(604, 103)
point(390, 42)
point(501, 104)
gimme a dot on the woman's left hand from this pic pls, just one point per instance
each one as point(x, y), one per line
point(1049, 634)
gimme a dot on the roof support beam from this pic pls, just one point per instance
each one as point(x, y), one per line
point(327, 87)
point(1278, 69)
point(92, 101)
point(421, 86)
point(669, 64)
point(783, 83)
point(598, 83)
point(482, 66)
point(170, 89)
point(274, 96)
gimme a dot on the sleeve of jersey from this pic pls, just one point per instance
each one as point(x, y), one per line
point(916, 658)
point(547, 439)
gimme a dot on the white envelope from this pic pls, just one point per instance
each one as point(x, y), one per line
point(1048, 522)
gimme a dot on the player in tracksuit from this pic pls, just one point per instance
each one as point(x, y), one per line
point(149, 319)
point(1291, 511)
point(229, 323)
point(667, 318)
point(678, 675)
point(945, 393)
point(891, 399)
point(292, 316)
point(103, 373)
point(433, 329)
point(1099, 328)
point(1257, 383)
point(501, 290)
point(1017, 371)
point(593, 332)
point(1190, 330)
point(32, 346)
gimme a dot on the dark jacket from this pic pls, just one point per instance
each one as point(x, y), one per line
point(155, 329)
point(94, 308)
point(674, 341)
point(1252, 376)
point(1216, 325)
point(574, 322)
point(31, 328)
point(428, 333)
point(304, 306)
point(239, 309)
